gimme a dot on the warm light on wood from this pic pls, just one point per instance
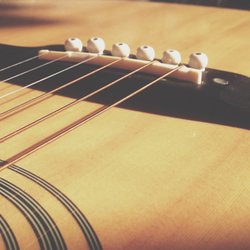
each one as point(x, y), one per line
point(141, 180)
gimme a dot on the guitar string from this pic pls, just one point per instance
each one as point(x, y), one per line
point(42, 143)
point(26, 72)
point(44, 78)
point(41, 97)
point(19, 63)
point(71, 104)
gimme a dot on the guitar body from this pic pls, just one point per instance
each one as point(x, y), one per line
point(130, 178)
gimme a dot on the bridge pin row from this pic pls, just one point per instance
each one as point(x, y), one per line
point(96, 45)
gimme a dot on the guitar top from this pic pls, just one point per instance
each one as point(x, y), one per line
point(114, 149)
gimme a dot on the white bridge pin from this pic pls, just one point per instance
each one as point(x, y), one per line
point(198, 60)
point(120, 50)
point(171, 56)
point(96, 45)
point(73, 44)
point(145, 52)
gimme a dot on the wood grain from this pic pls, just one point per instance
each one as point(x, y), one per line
point(144, 181)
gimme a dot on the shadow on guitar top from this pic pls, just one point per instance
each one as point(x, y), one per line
point(166, 98)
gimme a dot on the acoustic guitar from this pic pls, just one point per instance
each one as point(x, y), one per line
point(101, 151)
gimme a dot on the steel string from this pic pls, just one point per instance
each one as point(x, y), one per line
point(42, 143)
point(71, 104)
point(44, 78)
point(44, 95)
point(19, 63)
